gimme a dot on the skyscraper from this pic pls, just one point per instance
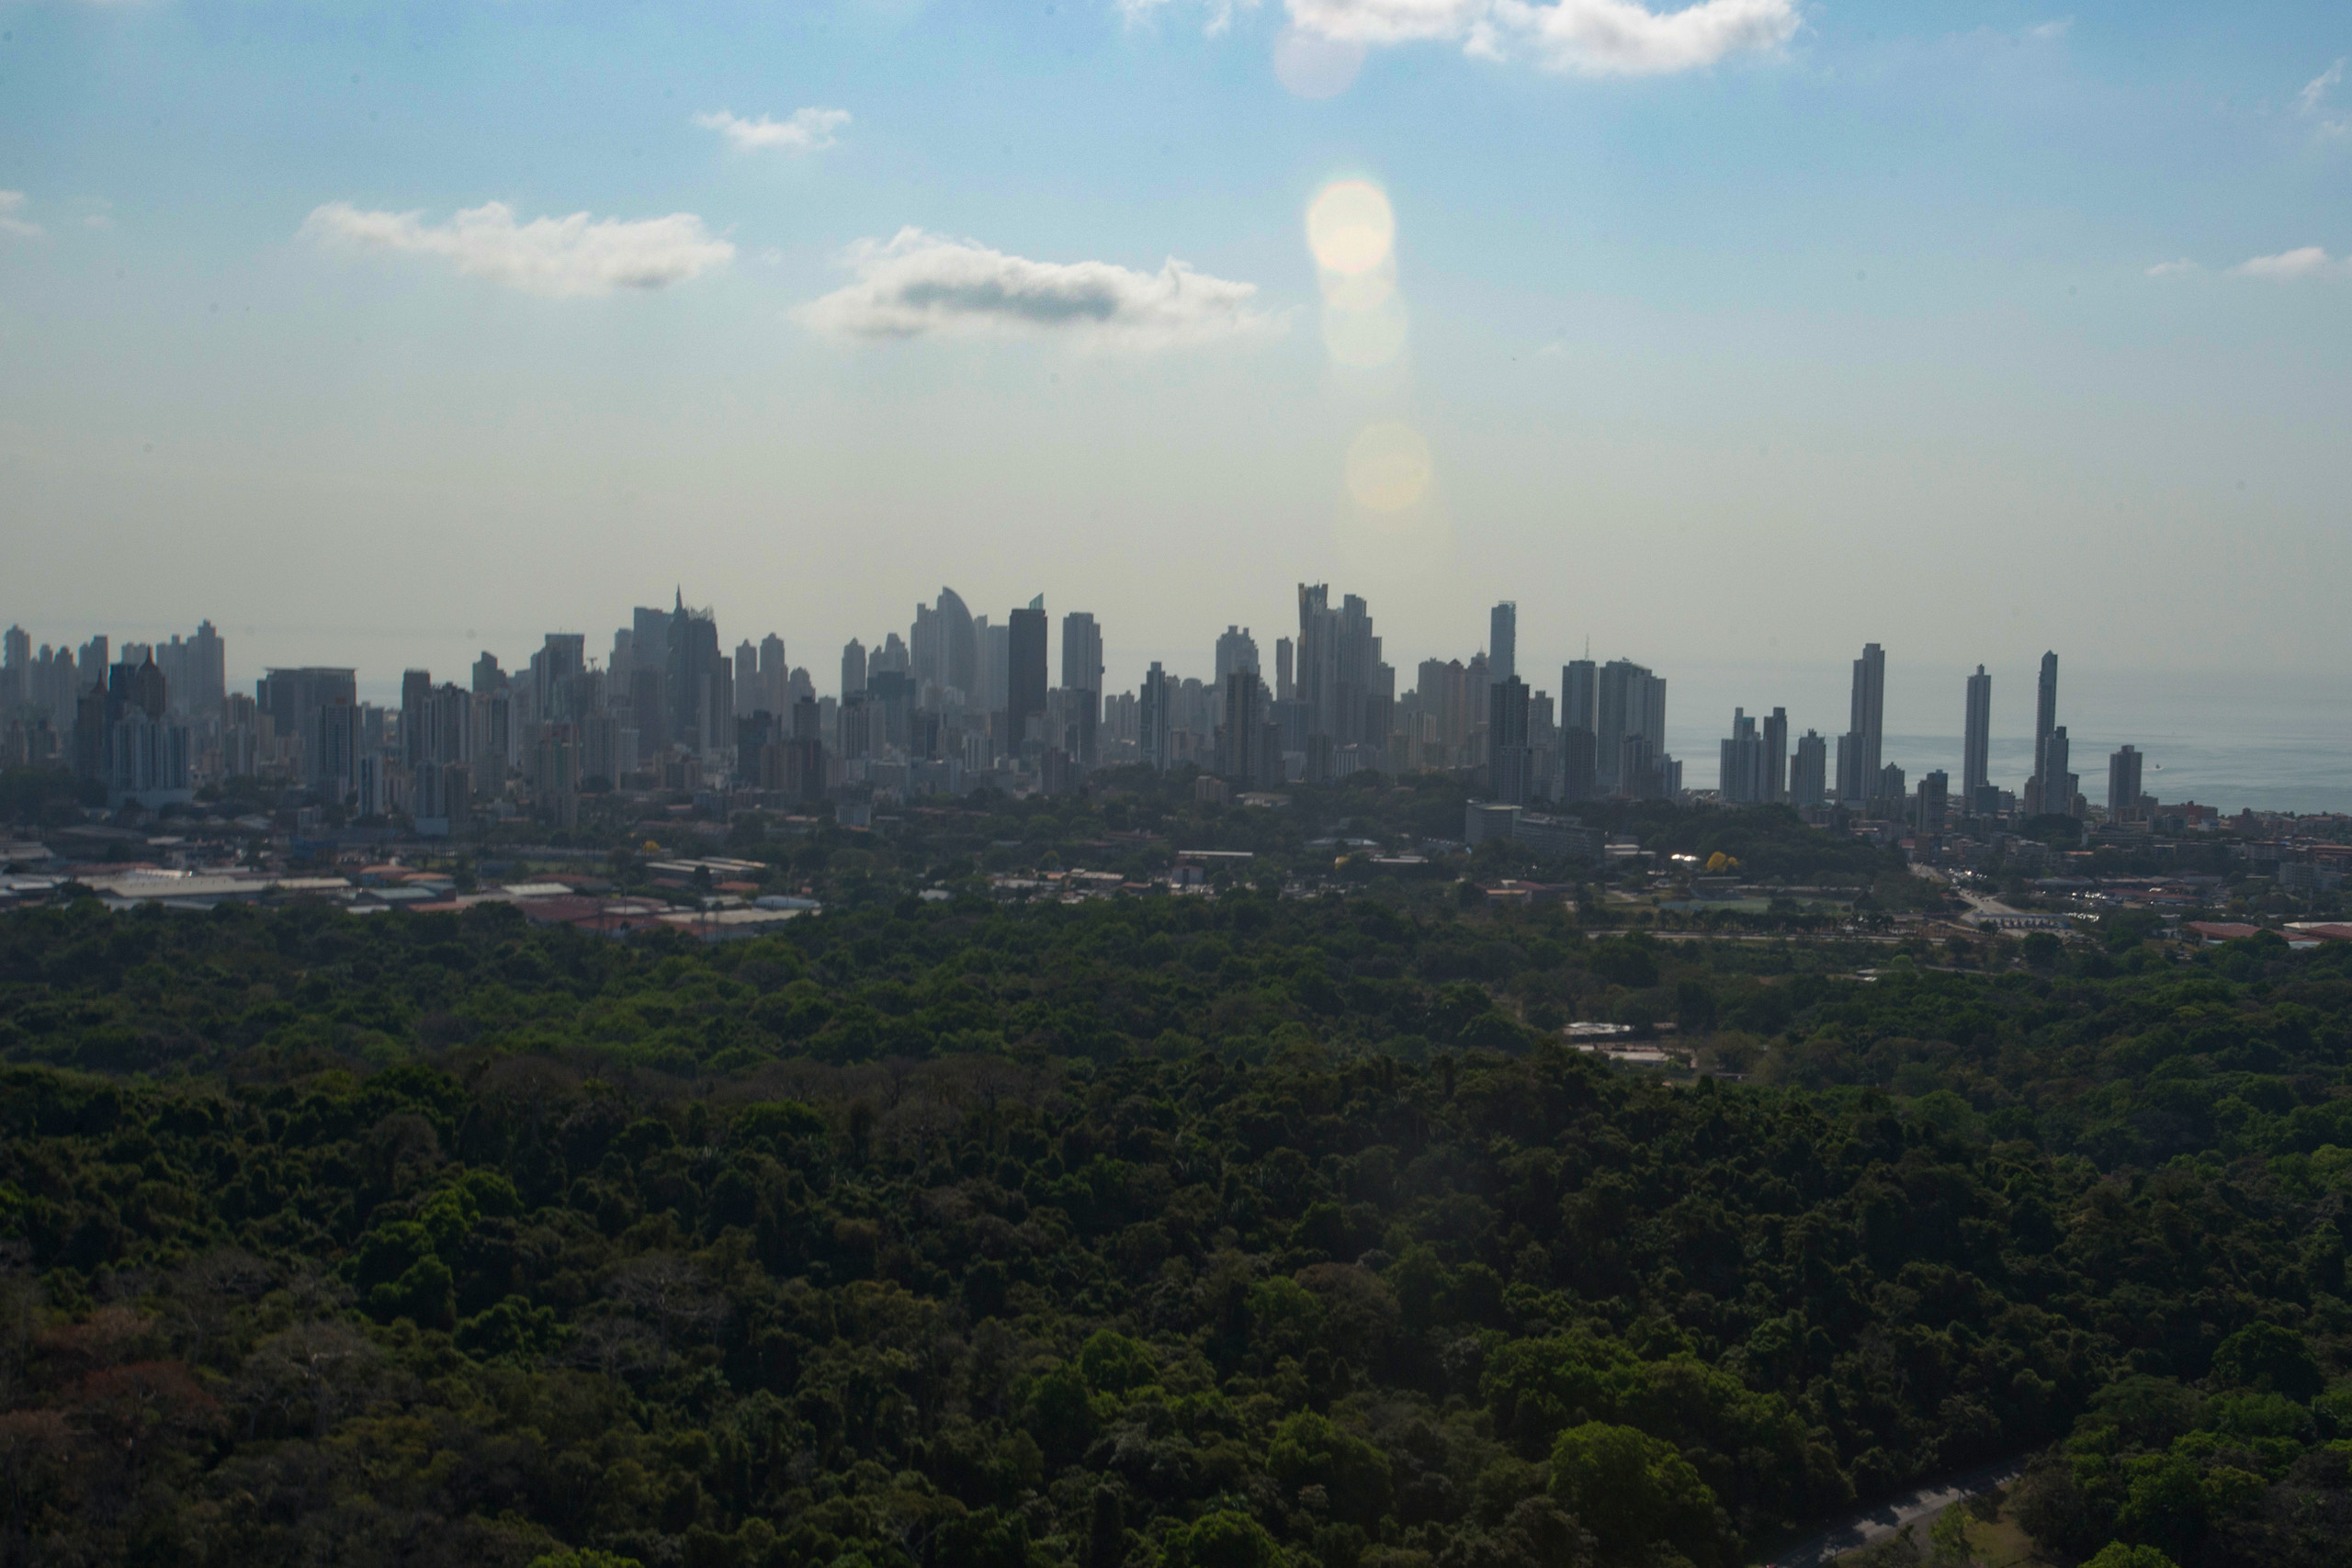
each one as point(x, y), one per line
point(1744, 779)
point(1025, 686)
point(1859, 767)
point(2045, 723)
point(1808, 771)
point(1776, 757)
point(698, 687)
point(959, 649)
point(2123, 782)
point(1976, 743)
point(1155, 718)
point(1285, 676)
point(1082, 681)
point(1510, 773)
point(2057, 783)
point(852, 669)
point(1502, 643)
point(1627, 700)
point(295, 701)
point(1236, 649)
point(1345, 690)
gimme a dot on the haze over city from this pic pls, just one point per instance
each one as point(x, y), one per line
point(1736, 335)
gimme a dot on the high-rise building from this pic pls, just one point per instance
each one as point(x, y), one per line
point(1285, 670)
point(959, 648)
point(1024, 683)
point(2058, 785)
point(1809, 769)
point(295, 701)
point(1155, 719)
point(1502, 643)
point(16, 670)
point(697, 685)
point(2123, 782)
point(1248, 751)
point(852, 669)
point(1976, 744)
point(1776, 756)
point(1927, 816)
point(1745, 777)
point(1345, 692)
point(416, 690)
point(1860, 770)
point(2045, 723)
point(1627, 700)
point(1083, 681)
point(1510, 766)
point(1236, 649)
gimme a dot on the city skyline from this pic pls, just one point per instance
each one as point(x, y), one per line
point(949, 638)
point(1770, 322)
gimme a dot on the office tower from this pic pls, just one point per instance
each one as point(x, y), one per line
point(1155, 719)
point(16, 670)
point(1249, 743)
point(1745, 778)
point(1976, 745)
point(1808, 771)
point(488, 676)
point(648, 638)
point(1853, 783)
point(1928, 816)
point(1346, 692)
point(1580, 684)
point(295, 701)
point(1024, 683)
point(416, 689)
point(1083, 681)
point(1502, 643)
point(852, 669)
point(490, 744)
point(2057, 783)
point(562, 656)
point(2123, 782)
point(1285, 679)
point(1236, 649)
point(774, 675)
point(893, 656)
point(698, 687)
point(1628, 700)
point(1579, 767)
point(749, 697)
point(1776, 757)
point(1889, 793)
point(194, 668)
point(1509, 761)
point(1867, 724)
point(2045, 704)
point(959, 655)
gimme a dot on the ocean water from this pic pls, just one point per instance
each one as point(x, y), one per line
point(2272, 742)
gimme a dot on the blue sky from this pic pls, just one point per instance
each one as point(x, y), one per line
point(1757, 332)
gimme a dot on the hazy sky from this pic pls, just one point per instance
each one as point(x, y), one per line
point(1740, 334)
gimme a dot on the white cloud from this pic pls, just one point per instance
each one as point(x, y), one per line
point(2174, 268)
point(1587, 36)
point(924, 285)
point(2311, 102)
point(1220, 17)
point(2291, 266)
point(809, 129)
point(559, 258)
point(1619, 37)
point(13, 202)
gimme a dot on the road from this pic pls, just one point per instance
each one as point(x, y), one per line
point(1919, 1506)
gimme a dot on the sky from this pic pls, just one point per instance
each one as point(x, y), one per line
point(1724, 338)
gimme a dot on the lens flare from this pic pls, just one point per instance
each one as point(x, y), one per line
point(1389, 467)
point(1351, 227)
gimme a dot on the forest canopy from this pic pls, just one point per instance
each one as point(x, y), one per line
point(1167, 1232)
